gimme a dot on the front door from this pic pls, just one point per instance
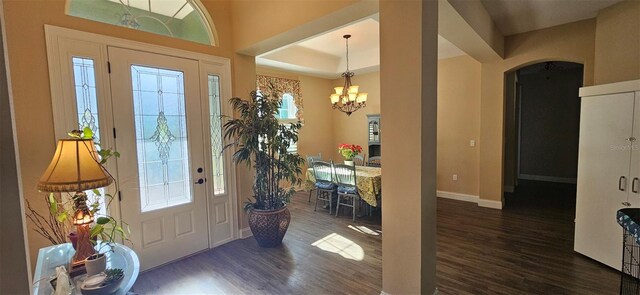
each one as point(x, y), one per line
point(158, 124)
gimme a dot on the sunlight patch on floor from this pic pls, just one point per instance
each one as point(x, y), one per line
point(365, 230)
point(338, 244)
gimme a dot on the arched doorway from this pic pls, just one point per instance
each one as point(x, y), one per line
point(542, 119)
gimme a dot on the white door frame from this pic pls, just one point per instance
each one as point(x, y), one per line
point(62, 93)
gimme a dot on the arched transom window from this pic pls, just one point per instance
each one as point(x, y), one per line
point(183, 19)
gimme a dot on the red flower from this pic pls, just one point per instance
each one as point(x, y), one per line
point(349, 151)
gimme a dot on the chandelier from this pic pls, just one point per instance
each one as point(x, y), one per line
point(347, 99)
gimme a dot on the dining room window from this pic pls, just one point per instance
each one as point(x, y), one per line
point(290, 110)
point(289, 91)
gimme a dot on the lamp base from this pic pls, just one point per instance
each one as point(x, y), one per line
point(84, 248)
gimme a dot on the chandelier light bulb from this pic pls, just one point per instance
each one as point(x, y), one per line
point(335, 98)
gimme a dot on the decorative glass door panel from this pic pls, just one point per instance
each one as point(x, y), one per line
point(86, 97)
point(86, 100)
point(157, 112)
point(161, 137)
point(215, 118)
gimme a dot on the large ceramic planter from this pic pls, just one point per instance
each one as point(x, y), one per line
point(269, 226)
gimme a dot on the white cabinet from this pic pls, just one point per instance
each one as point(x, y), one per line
point(608, 168)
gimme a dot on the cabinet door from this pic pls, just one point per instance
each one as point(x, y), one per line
point(605, 127)
point(634, 194)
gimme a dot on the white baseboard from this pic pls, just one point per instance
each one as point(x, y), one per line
point(470, 198)
point(490, 204)
point(547, 178)
point(457, 196)
point(245, 233)
point(509, 188)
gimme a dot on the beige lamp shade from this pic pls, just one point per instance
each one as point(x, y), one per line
point(335, 98)
point(74, 168)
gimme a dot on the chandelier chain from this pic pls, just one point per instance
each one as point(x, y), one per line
point(347, 41)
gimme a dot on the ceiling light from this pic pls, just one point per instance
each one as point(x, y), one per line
point(346, 98)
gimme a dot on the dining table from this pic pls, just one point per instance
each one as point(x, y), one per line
point(368, 181)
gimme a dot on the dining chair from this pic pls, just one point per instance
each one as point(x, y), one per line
point(324, 182)
point(375, 161)
point(359, 160)
point(345, 177)
point(310, 160)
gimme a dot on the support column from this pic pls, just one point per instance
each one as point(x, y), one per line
point(408, 87)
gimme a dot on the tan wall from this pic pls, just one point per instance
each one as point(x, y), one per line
point(244, 82)
point(617, 48)
point(316, 136)
point(458, 123)
point(353, 129)
point(571, 42)
point(256, 21)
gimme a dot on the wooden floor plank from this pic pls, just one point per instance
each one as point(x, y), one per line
point(527, 248)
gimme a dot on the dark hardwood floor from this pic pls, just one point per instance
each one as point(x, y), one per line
point(298, 267)
point(524, 249)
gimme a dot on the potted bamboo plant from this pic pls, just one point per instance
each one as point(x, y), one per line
point(262, 142)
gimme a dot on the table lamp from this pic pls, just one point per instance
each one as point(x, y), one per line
point(75, 168)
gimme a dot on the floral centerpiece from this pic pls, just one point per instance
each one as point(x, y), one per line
point(349, 151)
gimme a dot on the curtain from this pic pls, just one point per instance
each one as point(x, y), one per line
point(282, 86)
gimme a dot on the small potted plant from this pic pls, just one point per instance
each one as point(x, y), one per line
point(262, 143)
point(349, 151)
point(108, 230)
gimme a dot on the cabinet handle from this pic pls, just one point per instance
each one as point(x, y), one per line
point(620, 180)
point(634, 187)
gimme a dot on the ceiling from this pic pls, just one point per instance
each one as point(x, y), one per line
point(519, 16)
point(324, 55)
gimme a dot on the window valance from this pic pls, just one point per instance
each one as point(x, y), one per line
point(282, 86)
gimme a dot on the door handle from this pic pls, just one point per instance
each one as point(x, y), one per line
point(635, 184)
point(622, 187)
point(200, 181)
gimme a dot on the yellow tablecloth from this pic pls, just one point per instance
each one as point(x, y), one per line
point(368, 181)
